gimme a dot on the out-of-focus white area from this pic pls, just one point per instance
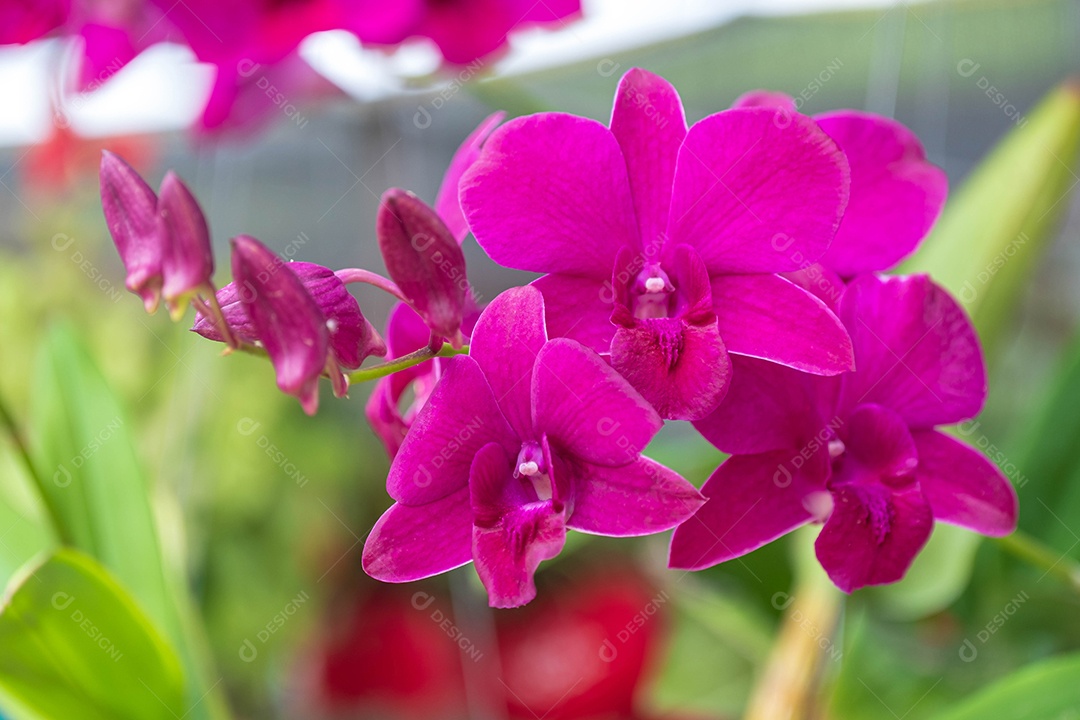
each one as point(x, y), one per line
point(163, 89)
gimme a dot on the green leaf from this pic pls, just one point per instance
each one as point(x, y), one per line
point(1050, 498)
point(75, 645)
point(99, 498)
point(91, 476)
point(1047, 690)
point(23, 532)
point(995, 229)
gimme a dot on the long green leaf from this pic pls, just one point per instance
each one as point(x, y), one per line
point(76, 645)
point(1047, 690)
point(91, 475)
point(100, 499)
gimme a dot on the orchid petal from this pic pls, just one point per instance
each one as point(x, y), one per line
point(505, 342)
point(896, 194)
point(533, 203)
point(772, 407)
point(413, 542)
point(459, 418)
point(765, 316)
point(578, 308)
point(586, 408)
point(649, 124)
point(751, 501)
point(754, 195)
point(679, 364)
point(640, 498)
point(916, 351)
point(873, 534)
point(963, 487)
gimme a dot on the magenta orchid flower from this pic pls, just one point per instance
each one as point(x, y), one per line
point(614, 214)
point(896, 195)
point(860, 453)
point(520, 440)
point(463, 30)
point(163, 242)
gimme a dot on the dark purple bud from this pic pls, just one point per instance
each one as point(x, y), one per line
point(131, 213)
point(285, 319)
point(352, 337)
point(189, 260)
point(424, 260)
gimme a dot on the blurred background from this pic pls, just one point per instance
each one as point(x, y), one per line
point(263, 511)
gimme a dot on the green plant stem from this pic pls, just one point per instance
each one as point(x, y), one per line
point(1033, 552)
point(404, 362)
point(12, 430)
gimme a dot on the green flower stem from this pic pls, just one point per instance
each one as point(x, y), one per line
point(404, 362)
point(23, 451)
point(1033, 552)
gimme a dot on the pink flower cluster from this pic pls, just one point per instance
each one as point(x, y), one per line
point(725, 273)
point(249, 41)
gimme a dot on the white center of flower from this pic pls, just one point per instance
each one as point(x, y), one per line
point(528, 468)
point(836, 448)
point(655, 284)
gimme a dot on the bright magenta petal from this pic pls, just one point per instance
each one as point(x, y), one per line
point(752, 500)
point(896, 195)
point(916, 351)
point(641, 498)
point(878, 442)
point(649, 124)
point(873, 534)
point(765, 316)
point(578, 308)
point(772, 407)
point(550, 194)
point(505, 342)
point(587, 409)
point(963, 487)
point(447, 202)
point(413, 542)
point(754, 195)
point(459, 418)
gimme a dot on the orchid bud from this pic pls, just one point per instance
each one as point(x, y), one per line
point(131, 214)
point(188, 262)
point(286, 319)
point(424, 261)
